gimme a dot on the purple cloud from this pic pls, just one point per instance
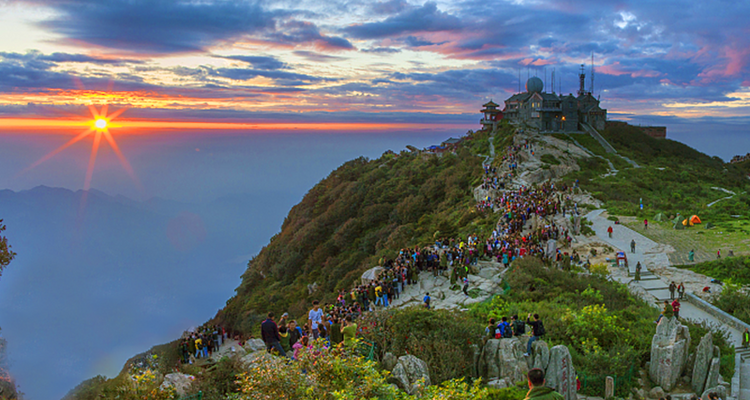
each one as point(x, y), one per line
point(413, 20)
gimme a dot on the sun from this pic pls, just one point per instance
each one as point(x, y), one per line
point(99, 129)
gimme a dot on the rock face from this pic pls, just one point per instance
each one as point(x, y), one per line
point(180, 382)
point(389, 361)
point(251, 359)
point(409, 371)
point(669, 352)
point(503, 359)
point(712, 379)
point(540, 353)
point(253, 345)
point(560, 374)
point(720, 390)
point(703, 356)
point(656, 393)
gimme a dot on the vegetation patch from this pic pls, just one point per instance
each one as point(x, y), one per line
point(729, 269)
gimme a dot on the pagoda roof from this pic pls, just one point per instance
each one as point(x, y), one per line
point(490, 104)
point(452, 141)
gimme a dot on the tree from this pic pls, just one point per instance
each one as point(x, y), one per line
point(6, 255)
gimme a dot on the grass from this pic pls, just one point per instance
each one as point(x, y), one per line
point(705, 242)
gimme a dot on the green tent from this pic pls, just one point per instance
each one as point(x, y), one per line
point(659, 217)
point(677, 220)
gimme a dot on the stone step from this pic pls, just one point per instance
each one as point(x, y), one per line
point(657, 288)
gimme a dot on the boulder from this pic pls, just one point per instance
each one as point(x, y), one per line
point(656, 392)
point(180, 382)
point(540, 354)
point(720, 390)
point(503, 359)
point(669, 352)
point(498, 384)
point(712, 379)
point(389, 361)
point(560, 374)
point(703, 356)
point(250, 360)
point(229, 349)
point(410, 373)
point(253, 345)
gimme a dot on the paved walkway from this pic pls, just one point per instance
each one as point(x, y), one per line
point(650, 254)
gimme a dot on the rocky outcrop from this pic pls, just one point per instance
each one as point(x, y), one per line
point(502, 363)
point(389, 361)
point(712, 379)
point(720, 390)
point(703, 356)
point(503, 359)
point(180, 382)
point(669, 352)
point(409, 373)
point(253, 345)
point(540, 354)
point(250, 360)
point(560, 374)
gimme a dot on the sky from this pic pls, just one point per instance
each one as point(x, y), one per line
point(242, 106)
point(379, 62)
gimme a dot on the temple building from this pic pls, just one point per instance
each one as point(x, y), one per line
point(550, 112)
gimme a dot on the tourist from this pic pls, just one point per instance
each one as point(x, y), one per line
point(645, 224)
point(676, 308)
point(537, 331)
point(691, 255)
point(336, 337)
point(491, 330)
point(681, 290)
point(667, 312)
point(198, 347)
point(537, 390)
point(295, 332)
point(609, 231)
point(746, 338)
point(638, 271)
point(284, 337)
point(466, 287)
point(270, 334)
point(632, 246)
point(349, 331)
point(426, 300)
point(672, 288)
point(314, 318)
point(519, 327)
point(302, 344)
point(505, 329)
point(718, 254)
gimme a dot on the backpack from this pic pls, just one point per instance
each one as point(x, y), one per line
point(520, 327)
point(541, 329)
point(507, 333)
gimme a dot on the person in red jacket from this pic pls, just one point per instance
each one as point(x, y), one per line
point(676, 308)
point(609, 231)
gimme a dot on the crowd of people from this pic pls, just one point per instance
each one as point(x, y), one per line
point(739, 158)
point(201, 343)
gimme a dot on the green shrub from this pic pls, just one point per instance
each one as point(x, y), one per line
point(442, 338)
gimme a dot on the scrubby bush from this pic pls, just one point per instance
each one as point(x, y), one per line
point(340, 374)
point(442, 338)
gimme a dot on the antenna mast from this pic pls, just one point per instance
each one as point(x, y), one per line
point(592, 73)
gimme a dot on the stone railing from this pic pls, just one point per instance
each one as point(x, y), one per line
point(717, 313)
point(729, 320)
